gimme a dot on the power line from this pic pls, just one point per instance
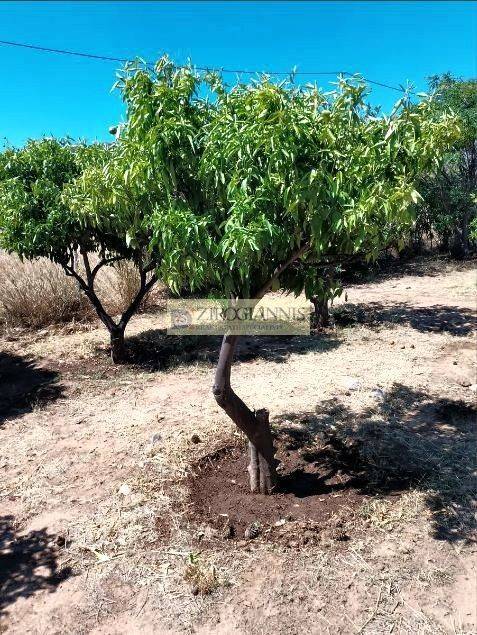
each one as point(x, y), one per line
point(64, 52)
point(124, 60)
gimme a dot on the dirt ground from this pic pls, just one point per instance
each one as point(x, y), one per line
point(124, 506)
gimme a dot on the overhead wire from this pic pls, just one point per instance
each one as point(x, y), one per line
point(123, 60)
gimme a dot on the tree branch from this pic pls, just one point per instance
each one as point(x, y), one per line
point(105, 261)
point(89, 292)
point(87, 268)
point(280, 269)
point(143, 291)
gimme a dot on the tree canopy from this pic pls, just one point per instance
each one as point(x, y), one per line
point(246, 176)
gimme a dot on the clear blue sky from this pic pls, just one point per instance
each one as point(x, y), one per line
point(49, 94)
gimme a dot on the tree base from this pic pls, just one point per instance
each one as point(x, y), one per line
point(262, 474)
point(118, 348)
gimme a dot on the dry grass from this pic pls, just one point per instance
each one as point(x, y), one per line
point(201, 576)
point(37, 294)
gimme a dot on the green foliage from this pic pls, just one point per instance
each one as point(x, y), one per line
point(448, 207)
point(64, 200)
point(34, 217)
point(240, 177)
point(217, 186)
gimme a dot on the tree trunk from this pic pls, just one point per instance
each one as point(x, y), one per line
point(322, 314)
point(118, 349)
point(255, 425)
point(262, 476)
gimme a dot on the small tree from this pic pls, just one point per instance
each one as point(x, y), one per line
point(273, 180)
point(41, 186)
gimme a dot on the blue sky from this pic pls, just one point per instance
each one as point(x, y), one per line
point(391, 42)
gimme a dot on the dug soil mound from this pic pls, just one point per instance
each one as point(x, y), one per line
point(313, 499)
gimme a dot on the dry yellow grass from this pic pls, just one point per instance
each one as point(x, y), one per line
point(36, 294)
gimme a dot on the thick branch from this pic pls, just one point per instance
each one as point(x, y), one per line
point(140, 295)
point(87, 268)
point(89, 292)
point(280, 269)
point(103, 262)
point(236, 409)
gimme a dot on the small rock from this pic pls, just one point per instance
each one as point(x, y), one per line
point(392, 343)
point(195, 438)
point(253, 531)
point(308, 536)
point(412, 346)
point(125, 490)
point(153, 446)
point(455, 363)
point(466, 383)
point(473, 387)
point(60, 540)
point(351, 383)
point(280, 522)
point(403, 346)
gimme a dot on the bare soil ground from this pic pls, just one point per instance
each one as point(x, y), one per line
point(123, 494)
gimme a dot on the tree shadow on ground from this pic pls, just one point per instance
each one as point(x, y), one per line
point(408, 441)
point(24, 386)
point(28, 563)
point(391, 268)
point(155, 350)
point(455, 320)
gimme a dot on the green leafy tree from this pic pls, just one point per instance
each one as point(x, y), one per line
point(45, 210)
point(448, 207)
point(262, 182)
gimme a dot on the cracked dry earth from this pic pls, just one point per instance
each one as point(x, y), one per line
point(123, 498)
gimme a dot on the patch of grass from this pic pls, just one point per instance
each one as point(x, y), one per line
point(37, 294)
point(201, 576)
point(386, 514)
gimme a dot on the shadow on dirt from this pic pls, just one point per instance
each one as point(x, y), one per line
point(28, 563)
point(434, 319)
point(24, 386)
point(408, 441)
point(389, 267)
point(155, 350)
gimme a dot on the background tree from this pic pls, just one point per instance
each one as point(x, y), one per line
point(273, 178)
point(448, 209)
point(42, 188)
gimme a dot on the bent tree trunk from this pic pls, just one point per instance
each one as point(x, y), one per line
point(255, 425)
point(118, 348)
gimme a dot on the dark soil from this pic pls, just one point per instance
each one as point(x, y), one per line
point(309, 495)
